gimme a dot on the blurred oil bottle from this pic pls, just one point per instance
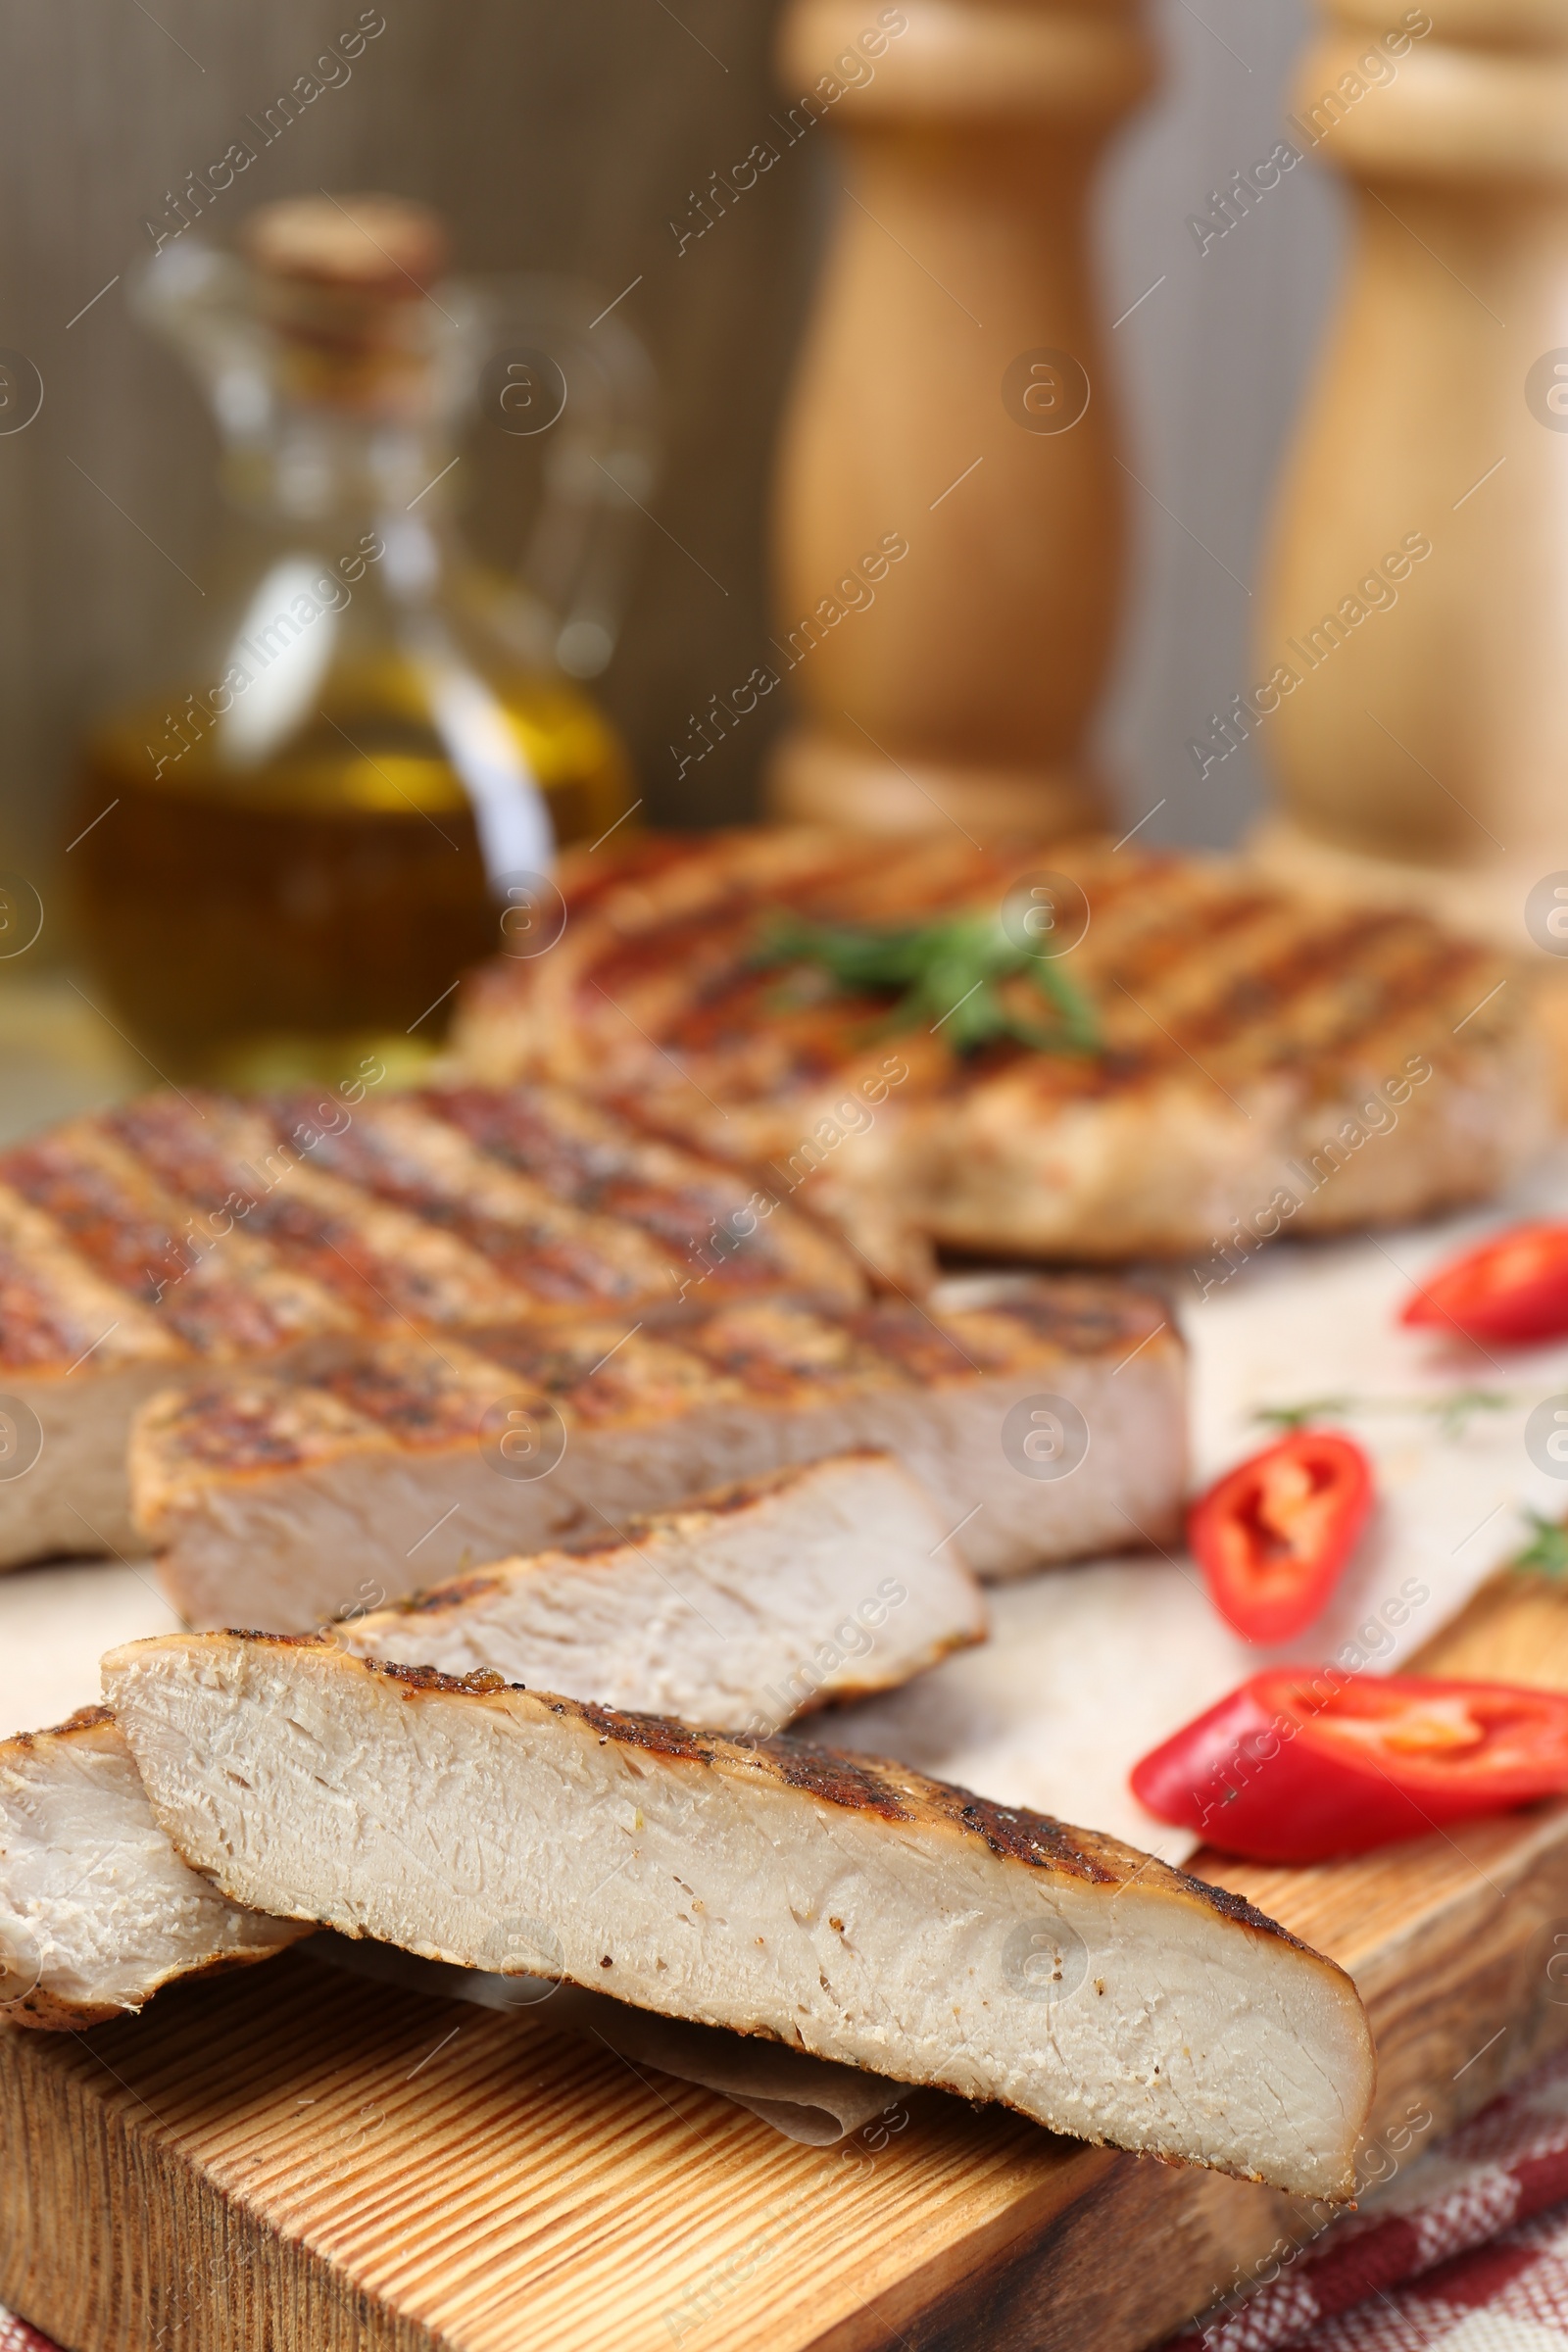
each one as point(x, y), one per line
point(372, 752)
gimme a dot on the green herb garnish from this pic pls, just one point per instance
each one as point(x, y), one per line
point(948, 975)
point(1297, 1416)
point(1454, 1411)
point(1546, 1554)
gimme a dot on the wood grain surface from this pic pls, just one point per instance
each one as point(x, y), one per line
point(299, 2158)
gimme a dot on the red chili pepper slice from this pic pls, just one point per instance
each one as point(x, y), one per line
point(1274, 1535)
point(1298, 1766)
point(1512, 1289)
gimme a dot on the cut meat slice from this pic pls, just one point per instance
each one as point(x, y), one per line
point(201, 1230)
point(741, 1611)
point(811, 1586)
point(847, 1907)
point(77, 1357)
point(1045, 1423)
point(96, 1908)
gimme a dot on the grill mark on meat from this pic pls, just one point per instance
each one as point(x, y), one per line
point(563, 1270)
point(185, 1145)
point(675, 1215)
point(250, 1632)
point(1035, 1838)
point(781, 1356)
point(252, 1424)
point(39, 1324)
point(383, 1264)
point(590, 878)
point(459, 1589)
point(417, 1394)
point(766, 1039)
point(482, 1683)
point(848, 1782)
point(1155, 923)
point(1159, 939)
point(902, 1337)
point(711, 947)
point(1081, 1318)
point(857, 1783)
point(545, 1245)
point(1274, 994)
point(1236, 1906)
point(198, 1214)
point(128, 1233)
point(730, 1005)
point(656, 1189)
point(514, 1128)
point(83, 1720)
point(123, 1236)
point(552, 1361)
point(604, 1373)
point(652, 1735)
point(778, 1354)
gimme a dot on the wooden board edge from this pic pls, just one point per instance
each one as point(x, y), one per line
point(228, 2278)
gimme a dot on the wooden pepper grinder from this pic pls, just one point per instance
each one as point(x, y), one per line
point(949, 511)
point(1413, 664)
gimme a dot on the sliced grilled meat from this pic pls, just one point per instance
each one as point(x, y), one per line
point(741, 1610)
point(97, 1910)
point(843, 1907)
point(749, 1609)
point(1046, 1425)
point(203, 1231)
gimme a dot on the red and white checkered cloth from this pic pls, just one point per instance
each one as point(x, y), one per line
point(1464, 2249)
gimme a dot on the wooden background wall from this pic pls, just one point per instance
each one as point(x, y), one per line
point(565, 137)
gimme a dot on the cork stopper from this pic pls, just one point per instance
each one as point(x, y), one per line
point(371, 245)
point(341, 281)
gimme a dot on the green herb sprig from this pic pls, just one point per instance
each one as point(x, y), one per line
point(1454, 1411)
point(1547, 1553)
point(948, 975)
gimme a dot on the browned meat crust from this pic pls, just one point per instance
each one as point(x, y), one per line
point(213, 1230)
point(1242, 1029)
point(404, 1393)
point(208, 1232)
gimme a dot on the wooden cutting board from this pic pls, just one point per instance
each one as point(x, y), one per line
point(297, 2159)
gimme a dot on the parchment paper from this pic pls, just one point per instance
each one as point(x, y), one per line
point(808, 2099)
point(1089, 1667)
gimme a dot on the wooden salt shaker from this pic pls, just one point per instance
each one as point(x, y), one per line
point(1413, 660)
point(949, 512)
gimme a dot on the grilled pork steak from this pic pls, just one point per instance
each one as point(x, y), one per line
point(741, 1610)
point(96, 1908)
point(182, 1231)
point(847, 1907)
point(1265, 1061)
point(1045, 1426)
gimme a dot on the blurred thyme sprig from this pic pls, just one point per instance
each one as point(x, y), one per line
point(947, 975)
point(1547, 1553)
point(1454, 1411)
